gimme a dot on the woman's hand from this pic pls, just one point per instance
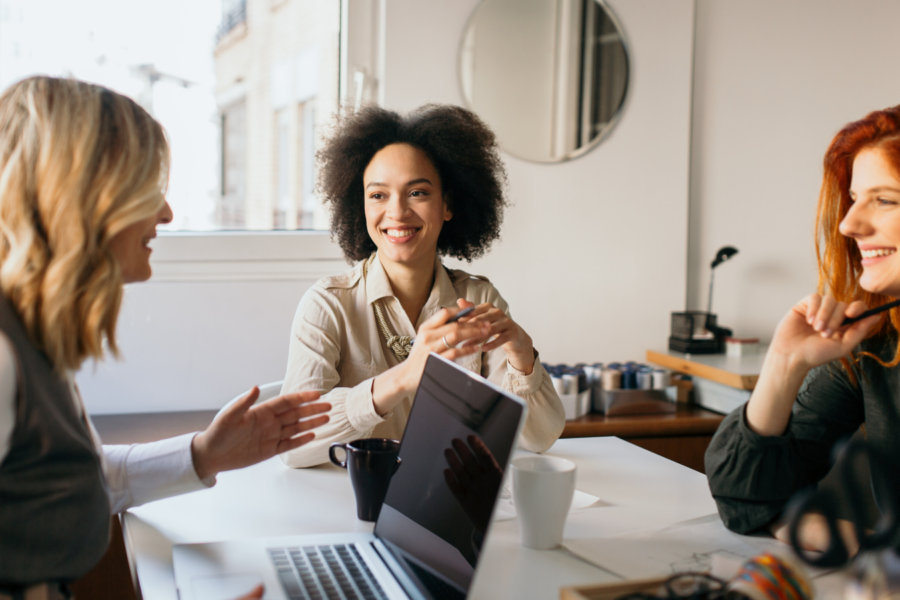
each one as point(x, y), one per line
point(808, 336)
point(506, 333)
point(450, 340)
point(255, 594)
point(811, 334)
point(814, 535)
point(246, 434)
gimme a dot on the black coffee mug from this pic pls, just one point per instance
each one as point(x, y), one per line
point(371, 463)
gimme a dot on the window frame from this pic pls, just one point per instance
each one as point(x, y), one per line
point(280, 255)
point(244, 256)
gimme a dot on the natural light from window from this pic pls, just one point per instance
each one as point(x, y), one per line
point(241, 86)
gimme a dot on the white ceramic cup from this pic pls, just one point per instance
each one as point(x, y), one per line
point(543, 487)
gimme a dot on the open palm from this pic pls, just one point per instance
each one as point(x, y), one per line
point(246, 434)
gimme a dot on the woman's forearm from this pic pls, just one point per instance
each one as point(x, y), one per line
point(769, 407)
point(388, 389)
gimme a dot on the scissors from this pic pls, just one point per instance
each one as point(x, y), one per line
point(886, 534)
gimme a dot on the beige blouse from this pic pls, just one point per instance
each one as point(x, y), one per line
point(337, 348)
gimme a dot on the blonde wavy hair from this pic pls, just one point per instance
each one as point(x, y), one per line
point(78, 164)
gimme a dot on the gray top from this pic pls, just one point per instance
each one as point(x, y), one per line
point(54, 508)
point(752, 476)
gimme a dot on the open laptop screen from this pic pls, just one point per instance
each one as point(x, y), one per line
point(458, 440)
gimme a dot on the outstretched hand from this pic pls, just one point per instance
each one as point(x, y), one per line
point(246, 434)
point(255, 594)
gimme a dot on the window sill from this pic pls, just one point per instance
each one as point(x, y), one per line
point(245, 256)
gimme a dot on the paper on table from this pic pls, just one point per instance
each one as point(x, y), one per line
point(506, 509)
point(702, 544)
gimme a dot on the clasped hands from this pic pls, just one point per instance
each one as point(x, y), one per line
point(484, 329)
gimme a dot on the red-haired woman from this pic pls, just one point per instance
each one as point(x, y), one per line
point(821, 381)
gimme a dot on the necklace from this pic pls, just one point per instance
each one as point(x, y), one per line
point(400, 344)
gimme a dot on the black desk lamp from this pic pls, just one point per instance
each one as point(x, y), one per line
point(696, 331)
point(724, 253)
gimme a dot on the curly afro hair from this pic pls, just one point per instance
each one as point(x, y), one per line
point(464, 153)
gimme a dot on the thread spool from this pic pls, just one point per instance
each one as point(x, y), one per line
point(590, 374)
point(571, 381)
point(611, 379)
point(661, 379)
point(582, 380)
point(559, 385)
point(771, 577)
point(645, 379)
point(629, 379)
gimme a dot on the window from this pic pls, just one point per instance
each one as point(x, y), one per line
point(230, 208)
point(241, 87)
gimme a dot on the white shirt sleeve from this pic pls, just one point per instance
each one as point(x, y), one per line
point(135, 474)
point(8, 385)
point(141, 473)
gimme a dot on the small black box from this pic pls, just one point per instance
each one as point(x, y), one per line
point(688, 324)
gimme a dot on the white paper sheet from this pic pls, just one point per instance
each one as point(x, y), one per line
point(506, 508)
point(702, 544)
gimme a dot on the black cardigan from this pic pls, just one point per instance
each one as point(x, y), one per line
point(752, 476)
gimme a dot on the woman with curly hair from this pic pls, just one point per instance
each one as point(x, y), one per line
point(403, 191)
point(82, 180)
point(822, 380)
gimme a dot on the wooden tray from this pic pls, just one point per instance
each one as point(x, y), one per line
point(610, 591)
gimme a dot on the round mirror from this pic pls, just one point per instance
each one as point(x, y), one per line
point(548, 76)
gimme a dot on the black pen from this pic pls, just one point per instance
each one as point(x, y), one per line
point(869, 313)
point(460, 314)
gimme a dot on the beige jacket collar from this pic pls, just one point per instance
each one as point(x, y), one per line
point(443, 294)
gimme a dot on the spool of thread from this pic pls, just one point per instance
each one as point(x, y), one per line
point(582, 380)
point(629, 379)
point(771, 577)
point(558, 384)
point(615, 366)
point(611, 379)
point(661, 379)
point(645, 378)
point(571, 381)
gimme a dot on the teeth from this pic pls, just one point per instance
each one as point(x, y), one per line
point(877, 252)
point(399, 233)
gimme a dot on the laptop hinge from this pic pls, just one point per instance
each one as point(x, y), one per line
point(393, 565)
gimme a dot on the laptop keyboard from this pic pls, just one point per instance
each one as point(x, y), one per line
point(330, 572)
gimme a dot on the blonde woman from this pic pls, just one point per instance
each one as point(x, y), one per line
point(82, 179)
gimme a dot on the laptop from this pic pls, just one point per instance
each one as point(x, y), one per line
point(428, 538)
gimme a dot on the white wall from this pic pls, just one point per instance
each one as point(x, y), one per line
point(594, 251)
point(213, 321)
point(592, 258)
point(593, 255)
point(774, 81)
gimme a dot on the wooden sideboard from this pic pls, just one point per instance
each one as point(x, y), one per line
point(682, 436)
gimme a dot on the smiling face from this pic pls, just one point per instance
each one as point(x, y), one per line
point(873, 221)
point(405, 207)
point(131, 245)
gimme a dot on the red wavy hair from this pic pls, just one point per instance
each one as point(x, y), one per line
point(839, 263)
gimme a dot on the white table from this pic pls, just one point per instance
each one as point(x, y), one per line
point(269, 499)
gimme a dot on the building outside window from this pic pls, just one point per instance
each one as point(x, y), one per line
point(241, 87)
point(283, 65)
